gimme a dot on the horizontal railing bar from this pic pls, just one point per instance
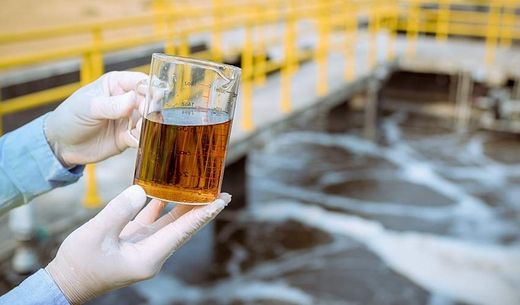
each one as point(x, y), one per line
point(37, 99)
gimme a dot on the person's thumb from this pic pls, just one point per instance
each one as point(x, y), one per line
point(121, 210)
point(113, 107)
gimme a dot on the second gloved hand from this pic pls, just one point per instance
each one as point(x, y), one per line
point(92, 124)
point(113, 249)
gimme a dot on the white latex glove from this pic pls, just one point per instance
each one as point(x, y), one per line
point(114, 250)
point(92, 124)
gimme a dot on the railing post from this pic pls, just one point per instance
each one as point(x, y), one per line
point(492, 33)
point(169, 24)
point(184, 48)
point(373, 31)
point(371, 108)
point(289, 65)
point(443, 19)
point(412, 27)
point(463, 103)
point(91, 69)
point(323, 42)
point(260, 65)
point(247, 77)
point(159, 7)
point(184, 51)
point(507, 23)
point(216, 33)
point(351, 28)
point(96, 55)
point(393, 19)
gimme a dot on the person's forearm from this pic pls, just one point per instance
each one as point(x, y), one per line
point(28, 166)
point(38, 289)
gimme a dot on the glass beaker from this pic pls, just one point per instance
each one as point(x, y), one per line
point(187, 118)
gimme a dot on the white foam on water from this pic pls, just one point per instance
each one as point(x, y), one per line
point(269, 291)
point(483, 169)
point(317, 217)
point(331, 178)
point(470, 272)
point(473, 215)
point(355, 205)
point(472, 267)
point(437, 299)
point(164, 290)
point(310, 259)
point(473, 273)
point(391, 129)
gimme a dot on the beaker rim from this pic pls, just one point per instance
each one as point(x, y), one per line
point(193, 61)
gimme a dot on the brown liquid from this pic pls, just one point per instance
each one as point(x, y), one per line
point(181, 154)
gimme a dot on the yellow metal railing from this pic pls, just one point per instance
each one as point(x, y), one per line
point(264, 24)
point(495, 21)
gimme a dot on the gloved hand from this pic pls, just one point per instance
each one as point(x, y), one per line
point(92, 124)
point(112, 250)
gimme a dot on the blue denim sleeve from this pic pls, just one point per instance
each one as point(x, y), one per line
point(38, 289)
point(28, 166)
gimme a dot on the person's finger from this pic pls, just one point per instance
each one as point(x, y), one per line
point(136, 231)
point(120, 82)
point(164, 242)
point(134, 118)
point(179, 211)
point(151, 212)
point(171, 216)
point(140, 95)
point(113, 107)
point(141, 107)
point(130, 138)
point(151, 227)
point(142, 88)
point(121, 210)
